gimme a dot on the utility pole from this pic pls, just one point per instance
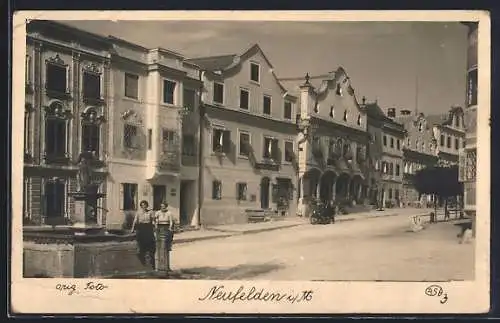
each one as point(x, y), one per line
point(201, 144)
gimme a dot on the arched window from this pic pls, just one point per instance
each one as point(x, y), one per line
point(345, 115)
point(332, 111)
point(91, 132)
point(56, 124)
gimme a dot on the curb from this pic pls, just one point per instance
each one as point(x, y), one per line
point(233, 233)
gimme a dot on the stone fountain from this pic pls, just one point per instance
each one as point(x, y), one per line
point(84, 249)
point(86, 198)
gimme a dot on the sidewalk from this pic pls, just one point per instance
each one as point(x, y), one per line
point(228, 230)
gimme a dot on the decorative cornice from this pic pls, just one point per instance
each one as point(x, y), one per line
point(57, 109)
point(56, 60)
point(91, 116)
point(132, 116)
point(92, 68)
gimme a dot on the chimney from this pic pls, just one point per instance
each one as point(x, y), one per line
point(391, 112)
point(405, 112)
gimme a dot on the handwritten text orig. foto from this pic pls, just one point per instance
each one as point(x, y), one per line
point(244, 294)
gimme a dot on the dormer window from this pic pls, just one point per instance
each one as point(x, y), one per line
point(255, 72)
point(457, 121)
point(339, 90)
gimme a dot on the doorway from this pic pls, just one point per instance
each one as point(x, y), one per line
point(159, 195)
point(188, 201)
point(264, 193)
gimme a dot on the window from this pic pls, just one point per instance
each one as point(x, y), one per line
point(396, 194)
point(463, 144)
point(169, 140)
point(221, 140)
point(216, 190)
point(241, 191)
point(55, 137)
point(448, 142)
point(391, 169)
point(131, 86)
point(385, 140)
point(168, 91)
point(28, 69)
point(267, 105)
point(398, 170)
point(457, 121)
point(188, 145)
point(457, 143)
point(270, 148)
point(345, 115)
point(416, 144)
point(339, 90)
point(56, 78)
point(408, 144)
point(91, 85)
point(420, 127)
point(130, 136)
point(390, 193)
point(398, 145)
point(129, 198)
point(255, 72)
point(244, 144)
point(392, 142)
point(441, 141)
point(289, 153)
point(188, 99)
point(55, 192)
point(244, 99)
point(359, 120)
point(218, 93)
point(287, 110)
point(332, 111)
point(150, 139)
point(90, 138)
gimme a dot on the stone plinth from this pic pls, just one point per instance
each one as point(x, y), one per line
point(65, 252)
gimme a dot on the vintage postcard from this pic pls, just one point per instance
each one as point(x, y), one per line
point(209, 162)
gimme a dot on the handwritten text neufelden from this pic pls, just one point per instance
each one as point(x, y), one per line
point(242, 294)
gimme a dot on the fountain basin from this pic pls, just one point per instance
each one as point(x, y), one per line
point(65, 252)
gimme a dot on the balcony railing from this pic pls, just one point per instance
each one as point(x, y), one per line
point(170, 160)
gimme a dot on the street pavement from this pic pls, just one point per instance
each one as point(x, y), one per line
point(381, 248)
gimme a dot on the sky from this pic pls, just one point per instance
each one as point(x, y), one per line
point(384, 60)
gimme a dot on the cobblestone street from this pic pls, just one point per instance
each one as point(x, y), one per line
point(369, 249)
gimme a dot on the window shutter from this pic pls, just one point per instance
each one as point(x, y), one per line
point(226, 141)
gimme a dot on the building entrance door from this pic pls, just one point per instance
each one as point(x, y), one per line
point(159, 196)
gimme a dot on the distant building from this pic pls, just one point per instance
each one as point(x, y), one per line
point(449, 132)
point(249, 154)
point(386, 155)
point(419, 152)
point(332, 142)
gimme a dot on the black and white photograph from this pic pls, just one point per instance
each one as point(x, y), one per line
point(237, 152)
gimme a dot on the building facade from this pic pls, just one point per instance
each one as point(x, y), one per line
point(332, 142)
point(419, 152)
point(249, 136)
point(66, 112)
point(468, 160)
point(386, 156)
point(123, 103)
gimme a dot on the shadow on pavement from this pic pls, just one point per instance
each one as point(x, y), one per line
point(236, 273)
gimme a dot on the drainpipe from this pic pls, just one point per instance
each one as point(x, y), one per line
point(201, 159)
